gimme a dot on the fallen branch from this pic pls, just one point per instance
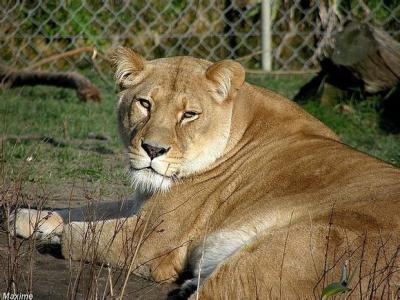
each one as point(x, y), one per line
point(21, 138)
point(101, 149)
point(85, 90)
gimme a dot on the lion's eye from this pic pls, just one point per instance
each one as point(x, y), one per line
point(189, 115)
point(145, 103)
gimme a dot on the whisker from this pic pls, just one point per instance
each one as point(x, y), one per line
point(176, 162)
point(175, 157)
point(136, 154)
point(172, 164)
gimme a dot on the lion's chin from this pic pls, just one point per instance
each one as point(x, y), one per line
point(148, 180)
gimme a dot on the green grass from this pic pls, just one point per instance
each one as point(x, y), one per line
point(58, 114)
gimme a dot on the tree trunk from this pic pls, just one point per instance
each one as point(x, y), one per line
point(363, 59)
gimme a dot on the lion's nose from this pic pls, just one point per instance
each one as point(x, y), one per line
point(153, 151)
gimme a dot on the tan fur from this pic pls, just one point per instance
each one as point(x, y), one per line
point(43, 224)
point(253, 162)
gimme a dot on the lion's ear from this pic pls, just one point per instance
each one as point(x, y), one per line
point(128, 66)
point(228, 77)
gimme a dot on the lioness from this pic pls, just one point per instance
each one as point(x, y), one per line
point(237, 188)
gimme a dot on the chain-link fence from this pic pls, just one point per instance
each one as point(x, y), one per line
point(287, 32)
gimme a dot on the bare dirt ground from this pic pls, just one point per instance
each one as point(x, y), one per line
point(54, 278)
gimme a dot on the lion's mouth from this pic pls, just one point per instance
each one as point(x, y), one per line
point(149, 168)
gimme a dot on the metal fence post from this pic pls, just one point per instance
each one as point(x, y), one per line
point(266, 41)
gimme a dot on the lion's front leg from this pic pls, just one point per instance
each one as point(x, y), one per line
point(122, 243)
point(118, 242)
point(111, 242)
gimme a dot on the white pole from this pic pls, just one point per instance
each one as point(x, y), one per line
point(266, 40)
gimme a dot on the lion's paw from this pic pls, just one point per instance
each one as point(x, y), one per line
point(43, 225)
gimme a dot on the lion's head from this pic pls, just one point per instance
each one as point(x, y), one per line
point(174, 114)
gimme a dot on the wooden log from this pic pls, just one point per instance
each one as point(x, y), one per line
point(363, 58)
point(370, 54)
point(85, 90)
